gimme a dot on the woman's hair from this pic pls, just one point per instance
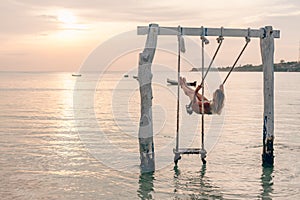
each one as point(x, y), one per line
point(218, 101)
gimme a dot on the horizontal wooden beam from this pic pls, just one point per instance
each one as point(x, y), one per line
point(226, 32)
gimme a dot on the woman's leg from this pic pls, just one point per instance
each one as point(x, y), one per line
point(186, 89)
point(189, 91)
point(199, 97)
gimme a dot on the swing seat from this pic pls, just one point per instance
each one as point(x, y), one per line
point(189, 151)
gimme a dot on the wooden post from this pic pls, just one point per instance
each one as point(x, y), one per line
point(146, 143)
point(267, 54)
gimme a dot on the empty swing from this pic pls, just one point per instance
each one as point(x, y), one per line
point(217, 107)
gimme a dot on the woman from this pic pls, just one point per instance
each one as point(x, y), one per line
point(210, 107)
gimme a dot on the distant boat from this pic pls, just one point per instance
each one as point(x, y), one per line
point(194, 69)
point(173, 82)
point(76, 75)
point(135, 77)
point(126, 75)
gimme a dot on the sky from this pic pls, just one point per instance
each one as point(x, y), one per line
point(55, 35)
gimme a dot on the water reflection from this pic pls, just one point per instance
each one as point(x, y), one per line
point(267, 183)
point(195, 186)
point(146, 186)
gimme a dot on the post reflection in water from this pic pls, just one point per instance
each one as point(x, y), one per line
point(176, 178)
point(146, 186)
point(267, 183)
point(195, 186)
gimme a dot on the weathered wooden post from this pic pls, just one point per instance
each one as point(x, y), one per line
point(267, 54)
point(146, 143)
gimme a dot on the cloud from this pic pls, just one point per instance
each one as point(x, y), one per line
point(28, 24)
point(38, 17)
point(28, 18)
point(18, 19)
point(141, 10)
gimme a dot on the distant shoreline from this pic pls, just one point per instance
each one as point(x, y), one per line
point(278, 67)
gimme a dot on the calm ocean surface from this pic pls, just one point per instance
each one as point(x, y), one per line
point(62, 142)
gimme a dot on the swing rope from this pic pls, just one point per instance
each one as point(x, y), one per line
point(246, 44)
point(181, 48)
point(203, 152)
point(204, 41)
point(247, 38)
point(220, 41)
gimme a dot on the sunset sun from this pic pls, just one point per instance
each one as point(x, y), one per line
point(68, 24)
point(67, 18)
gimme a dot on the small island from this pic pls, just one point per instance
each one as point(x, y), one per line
point(283, 66)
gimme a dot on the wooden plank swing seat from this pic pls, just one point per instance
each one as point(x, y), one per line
point(188, 151)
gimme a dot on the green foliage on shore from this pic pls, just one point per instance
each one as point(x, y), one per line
point(278, 67)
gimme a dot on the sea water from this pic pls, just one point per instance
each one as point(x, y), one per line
point(61, 140)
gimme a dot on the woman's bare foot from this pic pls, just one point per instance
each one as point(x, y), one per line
point(182, 81)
